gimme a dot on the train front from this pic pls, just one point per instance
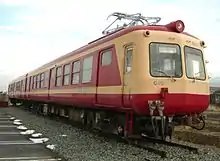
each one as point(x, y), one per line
point(177, 85)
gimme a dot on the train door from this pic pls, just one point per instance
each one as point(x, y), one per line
point(108, 79)
point(127, 76)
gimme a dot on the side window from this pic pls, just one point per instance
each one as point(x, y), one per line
point(75, 72)
point(87, 69)
point(128, 59)
point(30, 82)
point(21, 85)
point(42, 80)
point(66, 75)
point(106, 57)
point(38, 81)
point(58, 77)
point(33, 82)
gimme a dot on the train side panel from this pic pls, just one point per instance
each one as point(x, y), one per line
point(84, 84)
point(105, 87)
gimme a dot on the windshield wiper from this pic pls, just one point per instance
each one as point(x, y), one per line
point(196, 78)
point(163, 72)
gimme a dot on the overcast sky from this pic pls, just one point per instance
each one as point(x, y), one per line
point(33, 32)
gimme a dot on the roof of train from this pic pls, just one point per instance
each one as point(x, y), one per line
point(111, 37)
point(107, 38)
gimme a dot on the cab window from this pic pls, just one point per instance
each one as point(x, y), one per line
point(128, 59)
point(194, 63)
point(165, 60)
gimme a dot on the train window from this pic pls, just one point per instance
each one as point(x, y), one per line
point(165, 60)
point(87, 69)
point(106, 57)
point(58, 77)
point(21, 85)
point(29, 85)
point(128, 59)
point(66, 75)
point(33, 81)
point(75, 72)
point(42, 80)
point(18, 86)
point(38, 81)
point(194, 63)
point(35, 85)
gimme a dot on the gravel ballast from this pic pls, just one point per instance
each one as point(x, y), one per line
point(77, 145)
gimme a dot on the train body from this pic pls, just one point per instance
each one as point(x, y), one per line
point(3, 99)
point(141, 71)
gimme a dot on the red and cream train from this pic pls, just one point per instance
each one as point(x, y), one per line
point(139, 78)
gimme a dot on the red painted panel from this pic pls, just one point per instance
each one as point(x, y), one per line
point(174, 103)
point(109, 75)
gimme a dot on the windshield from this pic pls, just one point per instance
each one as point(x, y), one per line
point(194, 63)
point(165, 60)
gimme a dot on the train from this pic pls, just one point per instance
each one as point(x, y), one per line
point(139, 78)
point(3, 99)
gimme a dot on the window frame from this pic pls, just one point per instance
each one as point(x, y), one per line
point(30, 83)
point(87, 69)
point(202, 56)
point(128, 48)
point(66, 74)
point(181, 60)
point(42, 80)
point(38, 81)
point(102, 53)
point(21, 85)
point(33, 82)
point(59, 76)
point(73, 73)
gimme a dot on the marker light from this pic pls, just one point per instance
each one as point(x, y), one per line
point(177, 26)
point(146, 33)
point(202, 43)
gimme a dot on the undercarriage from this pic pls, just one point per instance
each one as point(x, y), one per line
point(124, 123)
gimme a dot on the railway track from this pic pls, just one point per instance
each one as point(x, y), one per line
point(154, 140)
point(143, 142)
point(96, 145)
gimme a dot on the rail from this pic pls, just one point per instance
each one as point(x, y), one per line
point(154, 140)
point(142, 142)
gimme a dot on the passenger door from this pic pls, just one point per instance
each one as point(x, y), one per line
point(108, 79)
point(127, 76)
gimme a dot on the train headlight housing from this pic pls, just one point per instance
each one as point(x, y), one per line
point(177, 26)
